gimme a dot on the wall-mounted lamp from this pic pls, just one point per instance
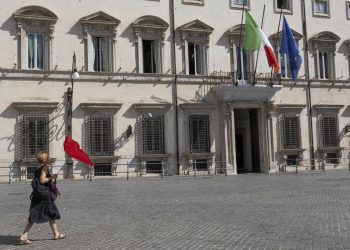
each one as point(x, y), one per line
point(128, 132)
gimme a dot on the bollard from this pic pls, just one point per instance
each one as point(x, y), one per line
point(296, 166)
point(10, 174)
point(127, 170)
point(162, 170)
point(195, 170)
point(90, 173)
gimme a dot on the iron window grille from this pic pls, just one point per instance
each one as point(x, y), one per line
point(199, 133)
point(101, 134)
point(151, 134)
point(35, 134)
point(290, 135)
point(283, 4)
point(328, 130)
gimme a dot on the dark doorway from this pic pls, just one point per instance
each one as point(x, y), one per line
point(154, 167)
point(254, 132)
point(239, 153)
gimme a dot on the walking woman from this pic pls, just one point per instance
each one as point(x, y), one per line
point(42, 209)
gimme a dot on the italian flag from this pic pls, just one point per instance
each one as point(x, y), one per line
point(253, 37)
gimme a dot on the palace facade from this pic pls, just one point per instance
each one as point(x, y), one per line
point(164, 87)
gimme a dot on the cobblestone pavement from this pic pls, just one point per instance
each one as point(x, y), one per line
point(248, 211)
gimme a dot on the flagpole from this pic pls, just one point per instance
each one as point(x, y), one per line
point(308, 89)
point(240, 38)
point(257, 56)
point(276, 41)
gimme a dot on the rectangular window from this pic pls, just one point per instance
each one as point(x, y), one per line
point(154, 167)
point(284, 66)
point(196, 2)
point(35, 51)
point(321, 7)
point(292, 160)
point(347, 10)
point(103, 169)
point(239, 3)
point(101, 135)
point(332, 158)
point(100, 45)
point(153, 141)
point(283, 5)
point(329, 130)
point(243, 62)
point(199, 133)
point(200, 164)
point(290, 131)
point(35, 135)
point(195, 59)
point(150, 56)
point(323, 65)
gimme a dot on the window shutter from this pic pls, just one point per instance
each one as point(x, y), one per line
point(101, 135)
point(328, 129)
point(199, 133)
point(290, 136)
point(35, 135)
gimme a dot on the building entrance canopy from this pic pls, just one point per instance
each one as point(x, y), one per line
point(227, 93)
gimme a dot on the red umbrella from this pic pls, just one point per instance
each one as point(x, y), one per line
point(72, 148)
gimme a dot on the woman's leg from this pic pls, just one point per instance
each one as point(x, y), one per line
point(53, 226)
point(24, 236)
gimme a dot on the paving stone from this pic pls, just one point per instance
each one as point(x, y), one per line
point(248, 211)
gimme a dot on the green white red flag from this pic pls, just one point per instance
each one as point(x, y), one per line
point(253, 37)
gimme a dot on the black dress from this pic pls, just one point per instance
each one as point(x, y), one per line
point(42, 210)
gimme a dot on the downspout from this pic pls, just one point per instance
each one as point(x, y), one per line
point(174, 72)
point(308, 89)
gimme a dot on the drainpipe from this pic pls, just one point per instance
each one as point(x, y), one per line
point(173, 71)
point(308, 89)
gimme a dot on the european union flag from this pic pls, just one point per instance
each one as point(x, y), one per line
point(289, 46)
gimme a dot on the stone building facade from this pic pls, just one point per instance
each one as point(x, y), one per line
point(165, 87)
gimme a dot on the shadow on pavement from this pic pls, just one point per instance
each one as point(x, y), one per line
point(11, 240)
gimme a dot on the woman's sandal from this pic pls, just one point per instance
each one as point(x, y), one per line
point(60, 237)
point(25, 242)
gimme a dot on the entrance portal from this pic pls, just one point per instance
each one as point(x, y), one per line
point(247, 140)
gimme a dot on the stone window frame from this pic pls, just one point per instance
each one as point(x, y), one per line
point(234, 35)
point(35, 108)
point(193, 2)
point(189, 109)
point(284, 11)
point(347, 44)
point(104, 109)
point(327, 15)
point(143, 109)
point(39, 20)
point(149, 28)
point(195, 32)
point(99, 24)
point(293, 109)
point(321, 111)
point(234, 5)
point(325, 42)
point(347, 9)
point(275, 41)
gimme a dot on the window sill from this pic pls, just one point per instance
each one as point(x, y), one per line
point(104, 159)
point(321, 15)
point(291, 151)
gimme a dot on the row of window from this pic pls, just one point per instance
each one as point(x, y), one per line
point(149, 31)
point(327, 130)
point(320, 8)
point(99, 131)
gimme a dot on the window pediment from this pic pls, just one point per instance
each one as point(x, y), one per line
point(325, 37)
point(297, 36)
point(33, 12)
point(150, 22)
point(99, 18)
point(236, 33)
point(196, 26)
